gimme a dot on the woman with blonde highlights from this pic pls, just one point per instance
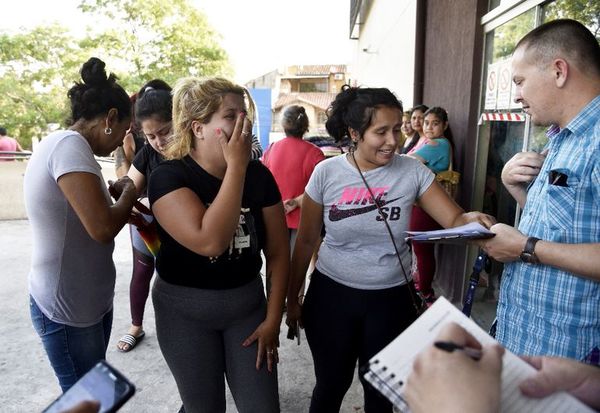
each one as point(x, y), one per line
point(216, 211)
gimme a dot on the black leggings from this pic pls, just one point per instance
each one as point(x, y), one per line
point(344, 325)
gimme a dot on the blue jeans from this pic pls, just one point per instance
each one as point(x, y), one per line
point(72, 350)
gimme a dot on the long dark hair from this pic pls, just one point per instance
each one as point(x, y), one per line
point(442, 115)
point(415, 138)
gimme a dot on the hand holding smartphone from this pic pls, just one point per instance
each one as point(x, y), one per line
point(102, 383)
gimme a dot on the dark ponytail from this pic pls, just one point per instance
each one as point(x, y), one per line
point(295, 121)
point(154, 99)
point(97, 94)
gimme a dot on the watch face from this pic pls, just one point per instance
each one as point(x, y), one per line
point(528, 257)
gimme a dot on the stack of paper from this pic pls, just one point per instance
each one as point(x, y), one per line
point(470, 231)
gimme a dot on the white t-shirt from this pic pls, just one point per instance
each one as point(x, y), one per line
point(72, 277)
point(357, 250)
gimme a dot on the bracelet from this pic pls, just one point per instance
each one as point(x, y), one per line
point(301, 299)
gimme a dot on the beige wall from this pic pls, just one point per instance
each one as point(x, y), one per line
point(384, 54)
point(12, 204)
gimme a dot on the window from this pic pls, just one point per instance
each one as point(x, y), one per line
point(584, 11)
point(313, 86)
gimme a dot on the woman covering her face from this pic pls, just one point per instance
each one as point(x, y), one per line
point(216, 212)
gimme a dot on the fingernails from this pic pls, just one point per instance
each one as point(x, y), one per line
point(242, 114)
point(218, 131)
point(529, 387)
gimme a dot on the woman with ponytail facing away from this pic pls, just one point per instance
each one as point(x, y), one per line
point(74, 222)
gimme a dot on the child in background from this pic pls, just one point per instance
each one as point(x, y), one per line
point(435, 152)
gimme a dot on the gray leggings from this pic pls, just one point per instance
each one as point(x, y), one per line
point(200, 333)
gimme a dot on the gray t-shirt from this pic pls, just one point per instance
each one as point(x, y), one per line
point(72, 277)
point(357, 250)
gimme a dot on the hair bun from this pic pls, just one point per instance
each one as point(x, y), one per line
point(93, 72)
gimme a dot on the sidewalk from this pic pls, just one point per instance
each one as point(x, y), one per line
point(28, 382)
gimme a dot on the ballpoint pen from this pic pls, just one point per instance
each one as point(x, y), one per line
point(449, 346)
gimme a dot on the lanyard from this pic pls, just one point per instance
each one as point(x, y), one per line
point(473, 281)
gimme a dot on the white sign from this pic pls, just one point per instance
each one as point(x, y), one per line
point(504, 85)
point(491, 87)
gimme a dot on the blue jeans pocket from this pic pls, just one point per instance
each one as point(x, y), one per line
point(37, 317)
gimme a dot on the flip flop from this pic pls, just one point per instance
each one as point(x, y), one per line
point(131, 340)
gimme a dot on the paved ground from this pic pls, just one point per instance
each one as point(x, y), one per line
point(28, 383)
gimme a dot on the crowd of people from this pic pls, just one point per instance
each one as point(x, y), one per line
point(189, 156)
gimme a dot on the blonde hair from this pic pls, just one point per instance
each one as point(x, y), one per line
point(196, 99)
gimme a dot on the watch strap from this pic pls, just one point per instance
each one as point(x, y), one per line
point(528, 254)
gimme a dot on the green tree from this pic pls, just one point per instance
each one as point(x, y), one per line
point(33, 79)
point(155, 38)
point(139, 40)
point(585, 11)
point(507, 35)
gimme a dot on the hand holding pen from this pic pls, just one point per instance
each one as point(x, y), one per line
point(455, 374)
point(450, 346)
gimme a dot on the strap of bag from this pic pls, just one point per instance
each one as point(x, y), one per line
point(387, 225)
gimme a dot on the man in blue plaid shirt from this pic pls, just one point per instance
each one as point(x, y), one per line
point(550, 290)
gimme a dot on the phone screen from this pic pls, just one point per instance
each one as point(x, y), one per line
point(102, 383)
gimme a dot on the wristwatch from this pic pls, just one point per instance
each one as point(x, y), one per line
point(528, 253)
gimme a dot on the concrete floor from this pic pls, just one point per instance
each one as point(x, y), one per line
point(28, 383)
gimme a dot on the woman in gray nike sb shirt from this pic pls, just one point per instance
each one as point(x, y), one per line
point(360, 297)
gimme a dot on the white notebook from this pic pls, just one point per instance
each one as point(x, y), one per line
point(389, 369)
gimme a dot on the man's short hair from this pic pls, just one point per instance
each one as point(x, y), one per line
point(3, 131)
point(563, 37)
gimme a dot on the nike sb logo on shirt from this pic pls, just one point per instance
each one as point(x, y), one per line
point(361, 196)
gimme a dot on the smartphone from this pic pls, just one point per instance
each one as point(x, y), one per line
point(103, 383)
point(294, 332)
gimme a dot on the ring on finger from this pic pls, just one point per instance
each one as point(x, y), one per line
point(245, 133)
point(270, 351)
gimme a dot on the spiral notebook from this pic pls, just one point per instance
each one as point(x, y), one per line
point(388, 370)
